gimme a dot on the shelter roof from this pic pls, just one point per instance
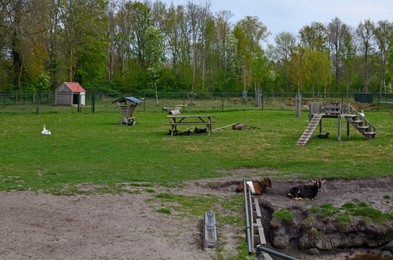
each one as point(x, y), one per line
point(75, 87)
point(125, 99)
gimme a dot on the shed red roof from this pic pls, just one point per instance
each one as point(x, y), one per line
point(75, 87)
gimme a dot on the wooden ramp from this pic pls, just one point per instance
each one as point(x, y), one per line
point(310, 129)
point(258, 232)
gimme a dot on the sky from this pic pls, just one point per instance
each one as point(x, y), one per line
point(291, 15)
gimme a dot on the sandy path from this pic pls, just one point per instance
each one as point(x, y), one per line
point(41, 226)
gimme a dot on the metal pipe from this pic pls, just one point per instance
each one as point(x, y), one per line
point(248, 226)
point(260, 249)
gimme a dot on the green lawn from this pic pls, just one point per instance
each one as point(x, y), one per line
point(92, 148)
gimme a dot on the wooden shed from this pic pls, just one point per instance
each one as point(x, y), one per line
point(70, 93)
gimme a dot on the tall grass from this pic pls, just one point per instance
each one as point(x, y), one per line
point(92, 148)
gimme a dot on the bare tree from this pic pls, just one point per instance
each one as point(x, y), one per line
point(336, 32)
point(281, 53)
point(197, 15)
point(365, 33)
point(111, 10)
point(383, 34)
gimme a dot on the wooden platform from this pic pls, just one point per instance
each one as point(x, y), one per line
point(318, 111)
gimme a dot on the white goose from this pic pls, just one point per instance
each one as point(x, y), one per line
point(45, 131)
point(362, 114)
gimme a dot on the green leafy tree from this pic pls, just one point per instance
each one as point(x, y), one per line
point(21, 29)
point(154, 55)
point(298, 68)
point(318, 72)
point(140, 22)
point(83, 41)
point(348, 54)
point(260, 70)
point(249, 32)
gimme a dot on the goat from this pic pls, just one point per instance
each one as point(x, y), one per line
point(177, 133)
point(306, 191)
point(323, 135)
point(199, 130)
point(257, 187)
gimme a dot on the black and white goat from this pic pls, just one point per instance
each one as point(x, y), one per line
point(306, 191)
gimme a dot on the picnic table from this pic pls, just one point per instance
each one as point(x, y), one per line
point(177, 120)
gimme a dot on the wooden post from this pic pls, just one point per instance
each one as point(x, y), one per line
point(298, 101)
point(222, 102)
point(339, 129)
point(348, 125)
point(244, 96)
point(262, 99)
point(93, 103)
point(320, 126)
point(37, 104)
point(79, 103)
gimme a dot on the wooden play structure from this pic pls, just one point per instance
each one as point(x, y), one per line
point(127, 107)
point(340, 111)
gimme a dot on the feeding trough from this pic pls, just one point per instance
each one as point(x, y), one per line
point(209, 231)
point(127, 107)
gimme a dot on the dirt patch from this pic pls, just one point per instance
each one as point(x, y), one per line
point(128, 226)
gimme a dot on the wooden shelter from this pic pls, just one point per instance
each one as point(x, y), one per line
point(127, 107)
point(70, 93)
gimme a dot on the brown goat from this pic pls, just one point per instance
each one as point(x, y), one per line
point(259, 186)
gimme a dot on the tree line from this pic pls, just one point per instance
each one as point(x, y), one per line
point(124, 46)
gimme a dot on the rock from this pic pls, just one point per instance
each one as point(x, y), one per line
point(281, 242)
point(281, 232)
point(385, 254)
point(389, 246)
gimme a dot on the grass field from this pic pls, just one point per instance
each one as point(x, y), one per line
point(92, 148)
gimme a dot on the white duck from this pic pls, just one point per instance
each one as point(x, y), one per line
point(361, 114)
point(45, 131)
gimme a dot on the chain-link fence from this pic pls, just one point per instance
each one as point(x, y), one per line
point(186, 102)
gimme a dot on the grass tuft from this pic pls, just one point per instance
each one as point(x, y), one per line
point(283, 214)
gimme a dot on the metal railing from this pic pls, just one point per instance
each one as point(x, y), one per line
point(248, 224)
point(259, 249)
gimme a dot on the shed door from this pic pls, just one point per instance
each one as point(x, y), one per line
point(75, 99)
